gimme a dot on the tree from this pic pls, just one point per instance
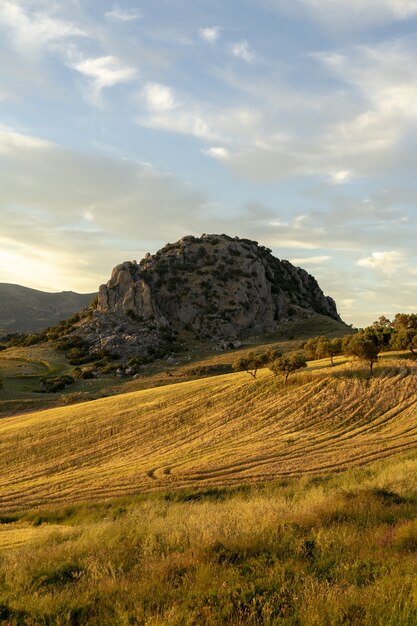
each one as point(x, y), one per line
point(254, 361)
point(310, 348)
point(287, 364)
point(385, 330)
point(405, 332)
point(328, 348)
point(365, 345)
point(322, 348)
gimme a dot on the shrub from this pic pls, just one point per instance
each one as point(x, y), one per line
point(58, 383)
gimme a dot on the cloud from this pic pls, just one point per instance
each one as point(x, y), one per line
point(345, 15)
point(159, 98)
point(242, 50)
point(5, 95)
point(362, 125)
point(217, 152)
point(104, 72)
point(160, 108)
point(81, 214)
point(341, 176)
point(210, 34)
point(385, 262)
point(37, 29)
point(123, 15)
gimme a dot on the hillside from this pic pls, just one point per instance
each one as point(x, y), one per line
point(219, 288)
point(212, 432)
point(28, 310)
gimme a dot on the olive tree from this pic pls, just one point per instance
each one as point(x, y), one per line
point(365, 345)
point(405, 332)
point(254, 361)
point(287, 364)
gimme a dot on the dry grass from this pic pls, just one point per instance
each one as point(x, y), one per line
point(220, 431)
point(218, 542)
point(311, 552)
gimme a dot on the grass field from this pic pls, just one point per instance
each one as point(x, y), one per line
point(301, 552)
point(21, 368)
point(217, 431)
point(216, 501)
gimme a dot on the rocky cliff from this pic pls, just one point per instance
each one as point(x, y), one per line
point(217, 286)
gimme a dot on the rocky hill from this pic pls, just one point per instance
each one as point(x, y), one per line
point(218, 287)
point(28, 310)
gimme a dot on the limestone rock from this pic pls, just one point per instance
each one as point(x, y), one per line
point(219, 287)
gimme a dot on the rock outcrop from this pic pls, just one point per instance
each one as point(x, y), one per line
point(219, 287)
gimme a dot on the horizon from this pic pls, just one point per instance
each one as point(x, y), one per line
point(124, 127)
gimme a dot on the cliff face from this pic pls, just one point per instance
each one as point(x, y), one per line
point(217, 286)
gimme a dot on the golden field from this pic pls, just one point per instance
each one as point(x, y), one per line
point(219, 501)
point(218, 431)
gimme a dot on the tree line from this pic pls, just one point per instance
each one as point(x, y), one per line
point(366, 344)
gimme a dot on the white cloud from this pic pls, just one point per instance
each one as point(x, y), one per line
point(358, 128)
point(81, 214)
point(104, 72)
point(123, 15)
point(159, 98)
point(385, 262)
point(242, 50)
point(346, 14)
point(341, 176)
point(210, 34)
point(36, 29)
point(5, 95)
point(11, 140)
point(399, 9)
point(217, 152)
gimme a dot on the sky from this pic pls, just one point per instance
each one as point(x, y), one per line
point(124, 126)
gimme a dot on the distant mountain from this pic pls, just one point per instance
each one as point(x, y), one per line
point(28, 310)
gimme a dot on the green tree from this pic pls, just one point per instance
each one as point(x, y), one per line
point(329, 348)
point(322, 348)
point(249, 364)
point(287, 364)
point(310, 348)
point(254, 361)
point(405, 332)
point(365, 345)
point(385, 329)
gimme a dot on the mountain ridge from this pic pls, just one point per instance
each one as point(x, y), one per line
point(23, 309)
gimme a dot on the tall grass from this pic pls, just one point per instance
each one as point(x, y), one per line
point(335, 550)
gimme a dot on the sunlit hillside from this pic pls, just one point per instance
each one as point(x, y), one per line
point(218, 431)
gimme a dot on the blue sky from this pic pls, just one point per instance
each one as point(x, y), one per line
point(125, 126)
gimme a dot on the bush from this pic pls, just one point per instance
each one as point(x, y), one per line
point(53, 385)
point(208, 370)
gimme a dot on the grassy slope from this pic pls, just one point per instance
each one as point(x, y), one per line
point(22, 368)
point(337, 551)
point(219, 431)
